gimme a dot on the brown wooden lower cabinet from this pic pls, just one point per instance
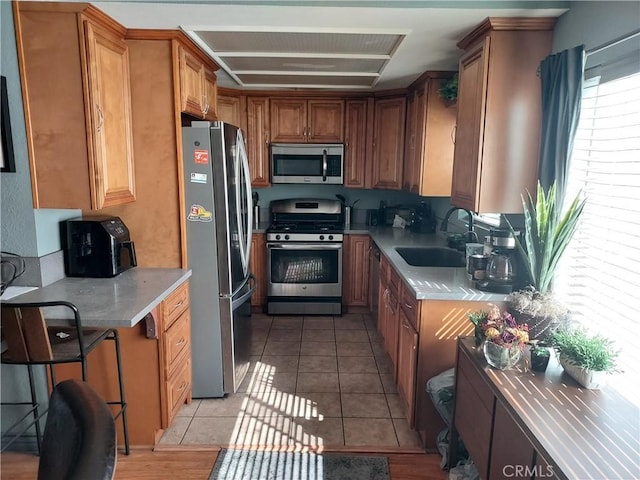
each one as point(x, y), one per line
point(156, 372)
point(407, 365)
point(511, 452)
point(355, 276)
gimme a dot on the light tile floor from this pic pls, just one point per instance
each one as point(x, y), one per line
point(314, 382)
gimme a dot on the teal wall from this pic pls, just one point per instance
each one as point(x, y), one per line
point(596, 23)
point(18, 230)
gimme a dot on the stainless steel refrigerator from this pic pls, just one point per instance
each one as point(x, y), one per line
point(219, 227)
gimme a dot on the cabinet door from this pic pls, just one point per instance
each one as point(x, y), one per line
point(210, 96)
point(355, 144)
point(231, 109)
point(258, 140)
point(510, 448)
point(436, 122)
point(326, 121)
point(288, 120)
point(392, 330)
point(258, 266)
point(411, 166)
point(192, 94)
point(111, 164)
point(407, 362)
point(356, 270)
point(471, 106)
point(388, 143)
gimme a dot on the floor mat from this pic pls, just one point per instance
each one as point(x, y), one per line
point(233, 464)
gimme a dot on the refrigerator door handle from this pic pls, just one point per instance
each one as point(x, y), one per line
point(245, 250)
point(239, 301)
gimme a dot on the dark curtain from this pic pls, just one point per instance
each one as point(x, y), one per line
point(561, 76)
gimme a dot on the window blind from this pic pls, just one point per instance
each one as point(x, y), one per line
point(599, 276)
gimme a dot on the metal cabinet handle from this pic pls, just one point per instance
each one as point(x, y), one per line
point(180, 342)
point(178, 304)
point(408, 306)
point(454, 130)
point(182, 386)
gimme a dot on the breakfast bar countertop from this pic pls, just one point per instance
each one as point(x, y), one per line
point(427, 283)
point(120, 301)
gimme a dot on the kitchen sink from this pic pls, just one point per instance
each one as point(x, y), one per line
point(431, 256)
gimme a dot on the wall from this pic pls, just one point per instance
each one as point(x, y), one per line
point(595, 23)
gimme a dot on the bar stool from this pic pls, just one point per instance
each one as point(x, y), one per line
point(32, 341)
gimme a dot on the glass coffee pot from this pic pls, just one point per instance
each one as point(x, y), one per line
point(501, 267)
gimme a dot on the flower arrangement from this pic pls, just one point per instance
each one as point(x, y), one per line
point(503, 338)
point(500, 328)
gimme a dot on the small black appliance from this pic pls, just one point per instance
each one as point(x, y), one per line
point(97, 247)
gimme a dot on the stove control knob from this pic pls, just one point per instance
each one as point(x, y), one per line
point(287, 237)
point(277, 237)
point(321, 237)
point(330, 237)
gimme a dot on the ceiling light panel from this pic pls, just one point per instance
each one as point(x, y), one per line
point(307, 81)
point(301, 42)
point(304, 64)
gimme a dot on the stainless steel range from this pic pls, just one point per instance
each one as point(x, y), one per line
point(304, 257)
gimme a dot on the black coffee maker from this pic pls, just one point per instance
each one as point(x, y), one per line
point(97, 247)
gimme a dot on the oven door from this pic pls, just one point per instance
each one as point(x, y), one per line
point(304, 269)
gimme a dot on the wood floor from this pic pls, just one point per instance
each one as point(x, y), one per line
point(195, 465)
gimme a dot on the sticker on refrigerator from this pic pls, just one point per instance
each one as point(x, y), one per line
point(201, 156)
point(198, 178)
point(198, 213)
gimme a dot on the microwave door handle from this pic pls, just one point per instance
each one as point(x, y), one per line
point(324, 165)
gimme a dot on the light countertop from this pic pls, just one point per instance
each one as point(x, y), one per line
point(428, 283)
point(121, 301)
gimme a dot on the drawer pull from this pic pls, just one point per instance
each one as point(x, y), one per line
point(410, 307)
point(180, 342)
point(178, 304)
point(182, 386)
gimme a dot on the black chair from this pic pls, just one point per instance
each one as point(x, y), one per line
point(31, 340)
point(79, 437)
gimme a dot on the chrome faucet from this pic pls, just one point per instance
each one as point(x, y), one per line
point(470, 235)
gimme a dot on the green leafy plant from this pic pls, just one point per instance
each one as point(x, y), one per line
point(547, 234)
point(449, 89)
point(592, 352)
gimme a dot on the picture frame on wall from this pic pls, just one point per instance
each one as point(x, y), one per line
point(7, 159)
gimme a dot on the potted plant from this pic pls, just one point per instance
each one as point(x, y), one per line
point(586, 358)
point(449, 90)
point(547, 235)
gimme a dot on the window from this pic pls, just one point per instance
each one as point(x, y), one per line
point(599, 276)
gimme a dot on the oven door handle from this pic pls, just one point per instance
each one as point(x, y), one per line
point(307, 246)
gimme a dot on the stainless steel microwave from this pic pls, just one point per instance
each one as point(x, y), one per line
point(307, 163)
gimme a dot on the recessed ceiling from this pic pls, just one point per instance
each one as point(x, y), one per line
point(300, 59)
point(325, 44)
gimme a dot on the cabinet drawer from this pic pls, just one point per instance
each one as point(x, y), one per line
point(175, 303)
point(177, 389)
point(410, 306)
point(394, 281)
point(176, 340)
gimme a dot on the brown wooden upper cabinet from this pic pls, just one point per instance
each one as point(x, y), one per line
point(258, 140)
point(428, 154)
point(233, 109)
point(388, 142)
point(305, 120)
point(357, 144)
point(499, 110)
point(198, 86)
point(77, 99)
